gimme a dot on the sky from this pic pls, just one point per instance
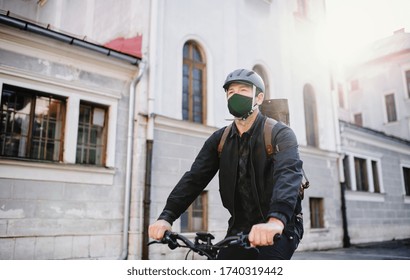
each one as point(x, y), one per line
point(353, 24)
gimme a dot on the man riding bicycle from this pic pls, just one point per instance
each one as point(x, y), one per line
point(260, 192)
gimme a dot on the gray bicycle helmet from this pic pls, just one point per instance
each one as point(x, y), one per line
point(245, 76)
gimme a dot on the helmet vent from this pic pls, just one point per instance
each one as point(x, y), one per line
point(240, 72)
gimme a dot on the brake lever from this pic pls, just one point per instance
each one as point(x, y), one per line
point(243, 241)
point(172, 244)
point(170, 238)
point(155, 242)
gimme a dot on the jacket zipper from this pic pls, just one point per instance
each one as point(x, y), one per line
point(253, 183)
point(233, 200)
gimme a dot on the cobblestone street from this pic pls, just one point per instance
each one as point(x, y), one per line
point(390, 250)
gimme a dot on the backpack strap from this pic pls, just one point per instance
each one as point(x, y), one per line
point(223, 138)
point(271, 129)
point(267, 132)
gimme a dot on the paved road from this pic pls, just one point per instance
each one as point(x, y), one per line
point(390, 250)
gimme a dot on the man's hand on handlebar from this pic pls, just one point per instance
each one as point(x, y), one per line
point(260, 235)
point(264, 234)
point(156, 230)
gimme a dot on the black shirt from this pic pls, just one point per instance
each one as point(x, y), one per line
point(246, 207)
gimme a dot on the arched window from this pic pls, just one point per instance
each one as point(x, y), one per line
point(259, 69)
point(194, 89)
point(309, 100)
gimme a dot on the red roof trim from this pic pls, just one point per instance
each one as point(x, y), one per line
point(131, 46)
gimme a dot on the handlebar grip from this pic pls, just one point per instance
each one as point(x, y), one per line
point(167, 233)
point(170, 239)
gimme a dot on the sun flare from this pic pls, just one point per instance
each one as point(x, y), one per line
point(354, 24)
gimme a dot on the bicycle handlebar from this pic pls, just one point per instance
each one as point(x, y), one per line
point(203, 242)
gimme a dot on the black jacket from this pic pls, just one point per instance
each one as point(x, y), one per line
point(275, 183)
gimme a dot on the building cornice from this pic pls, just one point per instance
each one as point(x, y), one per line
point(15, 22)
point(183, 127)
point(373, 137)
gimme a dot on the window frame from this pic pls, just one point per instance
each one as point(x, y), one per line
point(188, 214)
point(66, 171)
point(317, 212)
point(341, 95)
point(260, 70)
point(358, 119)
point(361, 174)
point(94, 106)
point(34, 96)
point(390, 108)
point(407, 83)
point(192, 65)
point(370, 164)
point(406, 188)
point(310, 115)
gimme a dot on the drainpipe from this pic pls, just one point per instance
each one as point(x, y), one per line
point(148, 172)
point(341, 171)
point(147, 197)
point(128, 170)
point(154, 18)
point(346, 238)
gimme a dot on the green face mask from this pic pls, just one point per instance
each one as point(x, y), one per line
point(240, 106)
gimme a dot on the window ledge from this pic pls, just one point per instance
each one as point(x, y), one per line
point(318, 230)
point(364, 196)
point(406, 199)
point(57, 172)
point(392, 123)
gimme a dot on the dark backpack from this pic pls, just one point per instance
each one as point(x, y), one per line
point(270, 146)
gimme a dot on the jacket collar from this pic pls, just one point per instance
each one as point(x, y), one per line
point(256, 123)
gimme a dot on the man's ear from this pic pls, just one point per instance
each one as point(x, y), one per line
point(259, 98)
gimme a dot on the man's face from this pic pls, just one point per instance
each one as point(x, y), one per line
point(243, 89)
